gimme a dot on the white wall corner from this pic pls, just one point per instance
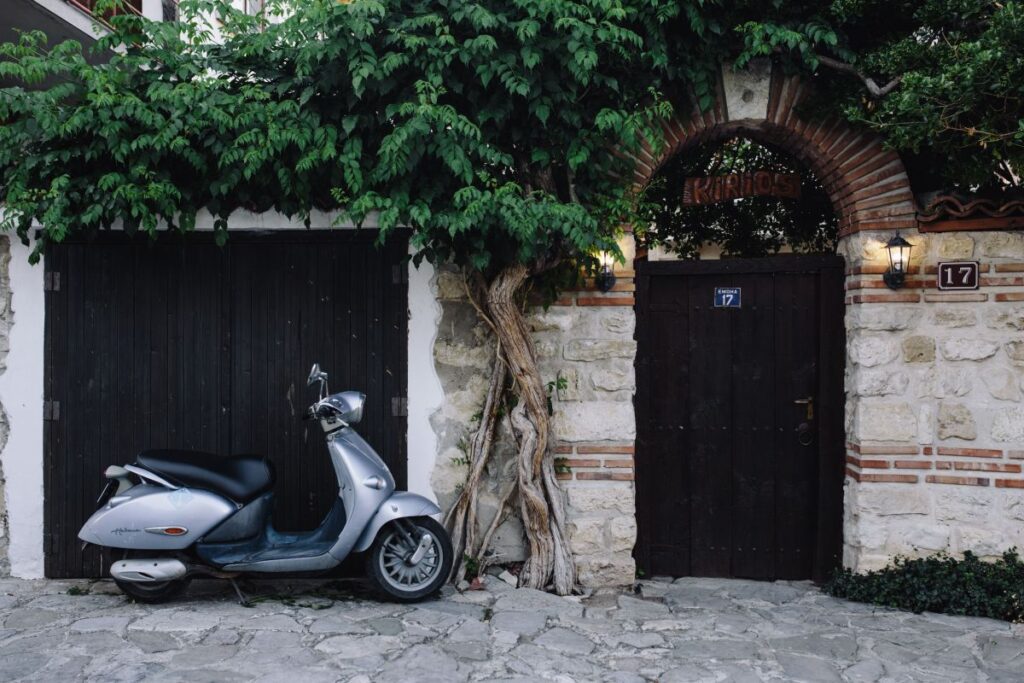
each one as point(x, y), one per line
point(21, 395)
point(153, 10)
point(424, 386)
point(746, 90)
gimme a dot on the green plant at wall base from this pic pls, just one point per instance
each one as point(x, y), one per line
point(941, 584)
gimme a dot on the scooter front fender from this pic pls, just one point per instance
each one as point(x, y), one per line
point(400, 504)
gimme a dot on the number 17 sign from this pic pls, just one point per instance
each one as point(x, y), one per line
point(958, 275)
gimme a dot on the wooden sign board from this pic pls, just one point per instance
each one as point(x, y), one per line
point(958, 275)
point(699, 191)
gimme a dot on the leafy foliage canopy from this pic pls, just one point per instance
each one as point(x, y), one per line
point(956, 68)
point(487, 126)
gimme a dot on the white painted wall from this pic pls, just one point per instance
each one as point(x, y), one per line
point(21, 395)
point(73, 16)
point(21, 385)
point(424, 387)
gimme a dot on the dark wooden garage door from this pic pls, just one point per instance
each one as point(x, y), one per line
point(737, 475)
point(184, 344)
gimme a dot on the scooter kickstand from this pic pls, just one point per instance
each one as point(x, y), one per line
point(242, 600)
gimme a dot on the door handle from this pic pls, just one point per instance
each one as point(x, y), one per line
point(809, 402)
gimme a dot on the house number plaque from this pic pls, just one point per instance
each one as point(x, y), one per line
point(954, 275)
point(728, 297)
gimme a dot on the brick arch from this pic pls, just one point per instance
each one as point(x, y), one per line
point(868, 184)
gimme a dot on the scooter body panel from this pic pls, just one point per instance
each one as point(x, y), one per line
point(364, 484)
point(141, 518)
point(399, 505)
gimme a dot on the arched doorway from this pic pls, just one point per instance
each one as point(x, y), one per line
point(740, 400)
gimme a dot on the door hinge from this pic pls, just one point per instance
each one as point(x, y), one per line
point(51, 410)
point(51, 281)
point(399, 406)
point(400, 274)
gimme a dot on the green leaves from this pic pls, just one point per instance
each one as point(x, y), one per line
point(487, 126)
point(941, 584)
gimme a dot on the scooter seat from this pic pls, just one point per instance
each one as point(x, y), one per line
point(238, 477)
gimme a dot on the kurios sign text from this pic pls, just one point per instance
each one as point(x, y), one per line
point(735, 185)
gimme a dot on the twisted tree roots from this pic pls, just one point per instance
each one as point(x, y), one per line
point(549, 563)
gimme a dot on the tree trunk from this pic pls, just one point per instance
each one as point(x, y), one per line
point(541, 506)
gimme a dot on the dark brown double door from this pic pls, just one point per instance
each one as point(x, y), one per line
point(740, 417)
point(184, 344)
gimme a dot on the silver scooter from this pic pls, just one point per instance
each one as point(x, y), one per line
point(174, 515)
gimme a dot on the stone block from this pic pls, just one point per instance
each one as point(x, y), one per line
point(956, 422)
point(1008, 425)
point(1005, 318)
point(930, 537)
point(925, 418)
point(956, 246)
point(609, 569)
point(570, 389)
point(954, 317)
point(595, 421)
point(1001, 383)
point(1015, 508)
point(598, 349)
point(968, 348)
point(886, 501)
point(882, 318)
point(983, 541)
point(598, 498)
point(450, 286)
point(945, 382)
point(461, 355)
point(886, 422)
point(587, 536)
point(618, 322)
point(872, 351)
point(556, 318)
point(611, 379)
point(1015, 350)
point(918, 349)
point(965, 504)
point(1003, 245)
point(623, 533)
point(880, 382)
point(746, 90)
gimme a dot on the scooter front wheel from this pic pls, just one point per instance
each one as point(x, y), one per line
point(410, 559)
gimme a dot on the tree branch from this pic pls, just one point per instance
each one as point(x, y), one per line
point(873, 87)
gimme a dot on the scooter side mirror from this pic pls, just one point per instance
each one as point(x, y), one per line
point(314, 375)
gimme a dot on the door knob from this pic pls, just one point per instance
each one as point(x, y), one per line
point(805, 434)
point(809, 402)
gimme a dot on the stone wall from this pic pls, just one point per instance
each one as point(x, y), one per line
point(586, 339)
point(935, 419)
point(5, 327)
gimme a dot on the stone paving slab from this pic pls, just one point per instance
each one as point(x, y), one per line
point(304, 631)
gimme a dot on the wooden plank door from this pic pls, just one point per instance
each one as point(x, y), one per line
point(183, 344)
point(734, 476)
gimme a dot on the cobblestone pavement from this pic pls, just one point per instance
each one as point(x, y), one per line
point(690, 630)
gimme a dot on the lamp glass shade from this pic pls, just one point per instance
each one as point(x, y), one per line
point(899, 253)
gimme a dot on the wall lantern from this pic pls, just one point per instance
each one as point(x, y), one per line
point(899, 260)
point(605, 279)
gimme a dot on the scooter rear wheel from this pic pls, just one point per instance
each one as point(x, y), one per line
point(388, 561)
point(151, 592)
